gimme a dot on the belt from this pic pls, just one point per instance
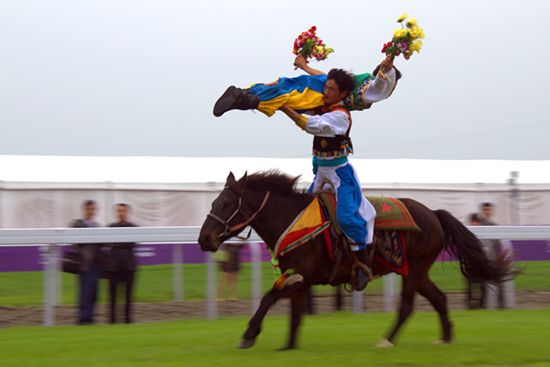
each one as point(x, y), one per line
point(329, 162)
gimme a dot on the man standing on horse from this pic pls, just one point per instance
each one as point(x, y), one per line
point(331, 146)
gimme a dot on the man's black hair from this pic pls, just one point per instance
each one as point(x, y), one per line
point(124, 205)
point(487, 204)
point(474, 217)
point(344, 79)
point(87, 203)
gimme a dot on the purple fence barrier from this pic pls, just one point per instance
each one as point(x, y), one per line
point(31, 259)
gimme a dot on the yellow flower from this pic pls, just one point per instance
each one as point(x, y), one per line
point(416, 32)
point(416, 46)
point(319, 49)
point(411, 23)
point(400, 33)
point(402, 17)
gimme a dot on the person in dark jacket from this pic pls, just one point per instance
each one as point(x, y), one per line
point(229, 261)
point(120, 266)
point(475, 290)
point(90, 266)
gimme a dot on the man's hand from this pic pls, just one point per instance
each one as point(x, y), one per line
point(387, 63)
point(298, 119)
point(300, 62)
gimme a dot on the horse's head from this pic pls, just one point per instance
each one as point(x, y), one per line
point(229, 215)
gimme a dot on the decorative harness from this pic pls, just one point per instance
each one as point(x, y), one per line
point(239, 226)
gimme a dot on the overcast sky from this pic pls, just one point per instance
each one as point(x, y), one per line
point(135, 77)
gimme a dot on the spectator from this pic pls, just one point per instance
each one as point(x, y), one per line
point(229, 261)
point(121, 266)
point(90, 267)
point(487, 210)
point(497, 295)
point(475, 291)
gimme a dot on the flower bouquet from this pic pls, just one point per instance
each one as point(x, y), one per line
point(406, 40)
point(310, 46)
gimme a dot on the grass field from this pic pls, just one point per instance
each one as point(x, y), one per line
point(154, 283)
point(483, 338)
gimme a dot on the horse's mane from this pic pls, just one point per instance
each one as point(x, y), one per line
point(275, 181)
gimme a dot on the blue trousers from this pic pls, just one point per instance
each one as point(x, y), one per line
point(89, 282)
point(353, 211)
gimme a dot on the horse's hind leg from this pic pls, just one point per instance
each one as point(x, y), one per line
point(439, 302)
point(405, 309)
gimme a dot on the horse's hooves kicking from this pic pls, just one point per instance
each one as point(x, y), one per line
point(247, 343)
point(385, 343)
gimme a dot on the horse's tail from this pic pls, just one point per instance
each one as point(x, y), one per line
point(474, 263)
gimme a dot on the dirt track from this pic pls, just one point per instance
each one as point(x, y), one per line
point(161, 311)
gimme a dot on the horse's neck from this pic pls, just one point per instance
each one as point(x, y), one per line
point(277, 215)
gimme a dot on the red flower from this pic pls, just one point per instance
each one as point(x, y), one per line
point(386, 45)
point(306, 43)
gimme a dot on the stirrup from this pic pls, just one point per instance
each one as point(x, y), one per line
point(358, 264)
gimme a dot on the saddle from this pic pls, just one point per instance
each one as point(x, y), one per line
point(319, 218)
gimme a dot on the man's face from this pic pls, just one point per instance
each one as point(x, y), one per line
point(89, 211)
point(122, 213)
point(488, 212)
point(332, 93)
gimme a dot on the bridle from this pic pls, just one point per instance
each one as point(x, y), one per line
point(239, 226)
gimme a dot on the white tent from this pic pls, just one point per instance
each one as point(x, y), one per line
point(46, 191)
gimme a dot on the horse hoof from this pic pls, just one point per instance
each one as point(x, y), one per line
point(285, 349)
point(440, 342)
point(385, 343)
point(247, 343)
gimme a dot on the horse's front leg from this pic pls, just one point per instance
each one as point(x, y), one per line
point(268, 300)
point(298, 307)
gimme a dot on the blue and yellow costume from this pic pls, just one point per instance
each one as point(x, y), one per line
point(305, 93)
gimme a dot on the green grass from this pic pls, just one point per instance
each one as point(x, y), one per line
point(154, 283)
point(483, 338)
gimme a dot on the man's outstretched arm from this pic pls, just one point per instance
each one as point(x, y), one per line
point(301, 63)
point(298, 119)
point(329, 124)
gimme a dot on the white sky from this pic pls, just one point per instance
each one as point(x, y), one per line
point(108, 77)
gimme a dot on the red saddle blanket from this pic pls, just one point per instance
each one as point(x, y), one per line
point(317, 218)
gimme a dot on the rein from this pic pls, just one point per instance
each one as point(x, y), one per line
point(239, 226)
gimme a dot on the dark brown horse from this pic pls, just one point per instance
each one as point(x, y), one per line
point(269, 202)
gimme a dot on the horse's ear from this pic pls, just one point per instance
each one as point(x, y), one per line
point(241, 184)
point(230, 179)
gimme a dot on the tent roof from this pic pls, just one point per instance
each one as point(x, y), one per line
point(75, 171)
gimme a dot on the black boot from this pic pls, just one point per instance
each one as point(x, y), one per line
point(235, 99)
point(361, 275)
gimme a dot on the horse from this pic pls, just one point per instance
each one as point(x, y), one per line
point(269, 202)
